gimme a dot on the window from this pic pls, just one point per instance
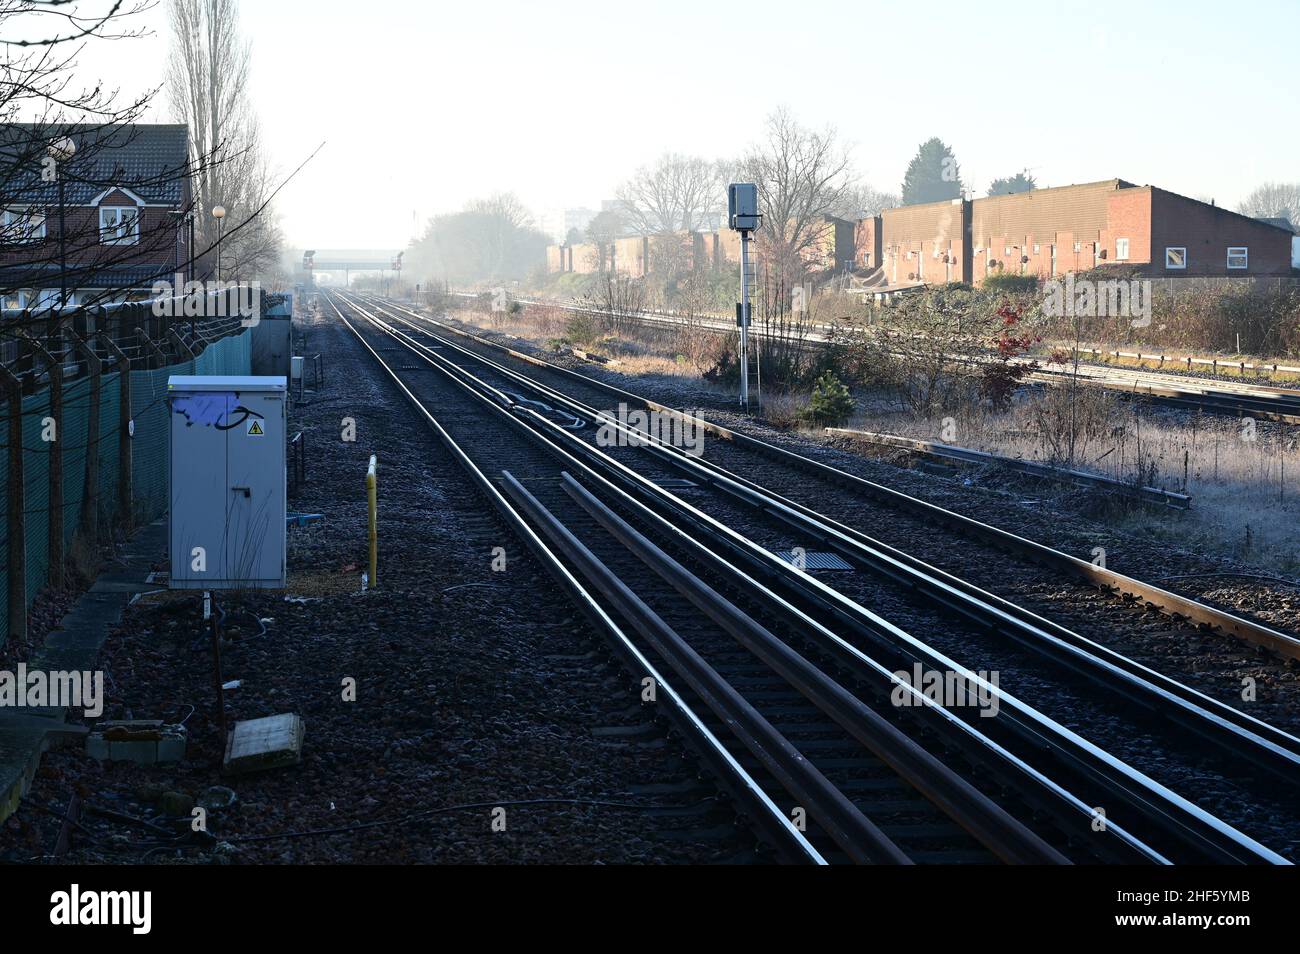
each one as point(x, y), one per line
point(119, 225)
point(1035, 248)
point(1238, 256)
point(1121, 249)
point(1078, 246)
point(1006, 250)
point(23, 225)
point(49, 298)
point(1176, 257)
point(14, 301)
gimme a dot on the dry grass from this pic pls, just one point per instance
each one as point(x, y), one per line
point(786, 410)
point(651, 353)
point(1245, 493)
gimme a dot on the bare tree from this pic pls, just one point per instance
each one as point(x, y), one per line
point(506, 207)
point(862, 201)
point(676, 193)
point(46, 23)
point(491, 239)
point(617, 299)
point(1277, 200)
point(207, 83)
point(43, 103)
point(803, 176)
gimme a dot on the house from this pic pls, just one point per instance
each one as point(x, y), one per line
point(107, 222)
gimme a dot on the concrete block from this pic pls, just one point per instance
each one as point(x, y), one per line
point(143, 741)
point(270, 742)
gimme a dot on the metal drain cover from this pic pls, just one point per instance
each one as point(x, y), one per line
point(815, 560)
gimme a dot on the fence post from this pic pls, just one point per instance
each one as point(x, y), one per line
point(25, 367)
point(16, 558)
point(124, 437)
point(54, 516)
point(157, 353)
point(88, 523)
point(186, 350)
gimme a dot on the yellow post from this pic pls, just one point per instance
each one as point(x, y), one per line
point(371, 481)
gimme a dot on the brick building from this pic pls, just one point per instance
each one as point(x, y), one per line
point(831, 248)
point(125, 192)
point(1144, 230)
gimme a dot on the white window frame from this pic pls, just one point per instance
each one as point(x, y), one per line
point(111, 233)
point(1121, 250)
point(21, 295)
point(1037, 246)
point(21, 223)
point(1176, 248)
point(1239, 251)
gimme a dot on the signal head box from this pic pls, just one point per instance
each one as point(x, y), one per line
point(227, 482)
point(742, 206)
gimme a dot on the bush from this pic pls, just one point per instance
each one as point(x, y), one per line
point(1001, 282)
point(1000, 377)
point(582, 329)
point(830, 404)
point(725, 371)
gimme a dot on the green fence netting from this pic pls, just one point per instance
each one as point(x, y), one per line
point(149, 450)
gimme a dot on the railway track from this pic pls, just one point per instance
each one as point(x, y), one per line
point(1256, 746)
point(734, 446)
point(1086, 656)
point(1238, 399)
point(1177, 830)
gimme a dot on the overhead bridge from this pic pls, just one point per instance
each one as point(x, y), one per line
point(347, 261)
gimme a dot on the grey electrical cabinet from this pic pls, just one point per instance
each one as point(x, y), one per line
point(227, 482)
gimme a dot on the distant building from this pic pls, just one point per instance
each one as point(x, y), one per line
point(1143, 230)
point(125, 194)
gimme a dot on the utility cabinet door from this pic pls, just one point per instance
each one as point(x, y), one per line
point(199, 488)
point(255, 505)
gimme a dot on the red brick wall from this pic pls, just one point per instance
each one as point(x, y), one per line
point(1128, 214)
point(1007, 228)
point(916, 239)
point(866, 240)
point(584, 259)
point(630, 256)
point(1207, 232)
point(156, 247)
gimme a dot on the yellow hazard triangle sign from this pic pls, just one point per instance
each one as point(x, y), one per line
point(255, 428)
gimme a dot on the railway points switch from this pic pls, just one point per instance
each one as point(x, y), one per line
point(227, 482)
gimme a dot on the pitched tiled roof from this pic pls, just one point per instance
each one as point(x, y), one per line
point(149, 160)
point(1278, 221)
point(108, 275)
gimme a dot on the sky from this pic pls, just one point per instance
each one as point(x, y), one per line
point(424, 106)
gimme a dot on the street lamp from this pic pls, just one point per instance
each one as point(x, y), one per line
point(219, 213)
point(61, 150)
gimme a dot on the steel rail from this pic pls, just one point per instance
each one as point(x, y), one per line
point(1180, 390)
point(1017, 770)
point(1173, 604)
point(852, 831)
point(960, 800)
point(768, 818)
point(1222, 724)
point(1179, 817)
